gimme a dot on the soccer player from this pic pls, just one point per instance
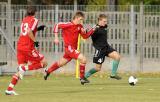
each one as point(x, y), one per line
point(103, 49)
point(26, 51)
point(70, 33)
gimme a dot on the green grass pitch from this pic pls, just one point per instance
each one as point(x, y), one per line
point(65, 88)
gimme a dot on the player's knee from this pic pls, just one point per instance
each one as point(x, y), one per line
point(98, 69)
point(44, 64)
point(62, 63)
point(83, 60)
point(118, 57)
point(59, 64)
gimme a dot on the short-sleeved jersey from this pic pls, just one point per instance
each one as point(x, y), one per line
point(25, 43)
point(70, 33)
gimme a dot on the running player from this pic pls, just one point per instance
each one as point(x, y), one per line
point(103, 49)
point(70, 33)
point(26, 51)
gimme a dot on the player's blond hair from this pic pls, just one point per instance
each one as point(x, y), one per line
point(102, 16)
point(78, 14)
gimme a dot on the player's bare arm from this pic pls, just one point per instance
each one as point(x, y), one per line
point(30, 34)
point(56, 39)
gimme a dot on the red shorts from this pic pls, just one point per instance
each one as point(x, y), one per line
point(71, 53)
point(29, 56)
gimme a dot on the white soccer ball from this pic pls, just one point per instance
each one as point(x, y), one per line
point(132, 80)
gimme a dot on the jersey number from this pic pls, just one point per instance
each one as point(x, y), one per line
point(24, 28)
point(100, 60)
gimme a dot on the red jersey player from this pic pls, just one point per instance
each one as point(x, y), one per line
point(70, 33)
point(26, 51)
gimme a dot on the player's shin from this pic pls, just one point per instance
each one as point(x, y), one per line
point(82, 70)
point(90, 72)
point(83, 80)
point(14, 81)
point(53, 67)
point(115, 64)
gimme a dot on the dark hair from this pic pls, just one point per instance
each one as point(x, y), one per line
point(101, 16)
point(31, 11)
point(78, 14)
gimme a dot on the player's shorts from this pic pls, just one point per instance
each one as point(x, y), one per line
point(100, 54)
point(29, 56)
point(71, 53)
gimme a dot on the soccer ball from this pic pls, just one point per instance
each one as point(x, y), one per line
point(132, 80)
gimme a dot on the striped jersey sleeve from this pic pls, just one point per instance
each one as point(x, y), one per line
point(61, 25)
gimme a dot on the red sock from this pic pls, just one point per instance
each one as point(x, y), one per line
point(13, 82)
point(35, 66)
point(53, 67)
point(82, 70)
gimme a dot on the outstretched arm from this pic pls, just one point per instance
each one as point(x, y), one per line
point(86, 34)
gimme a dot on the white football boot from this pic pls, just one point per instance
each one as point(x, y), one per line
point(11, 92)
